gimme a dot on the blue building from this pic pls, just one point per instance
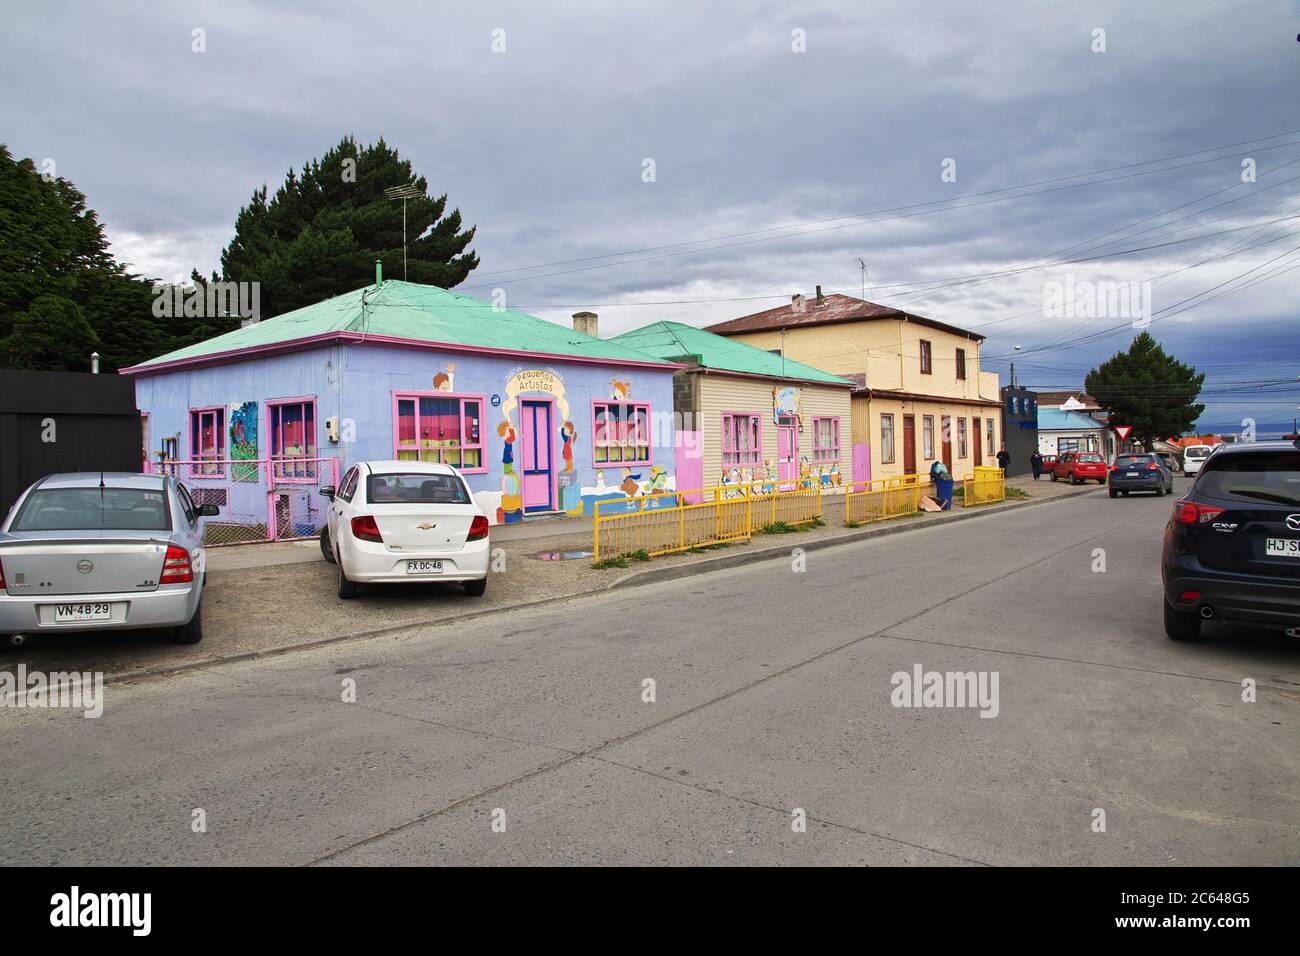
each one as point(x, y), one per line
point(540, 418)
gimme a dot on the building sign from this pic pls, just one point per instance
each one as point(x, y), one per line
point(786, 401)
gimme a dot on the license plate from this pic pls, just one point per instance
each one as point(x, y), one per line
point(423, 567)
point(1131, 474)
point(1282, 547)
point(80, 613)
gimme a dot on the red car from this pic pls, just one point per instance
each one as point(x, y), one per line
point(1077, 466)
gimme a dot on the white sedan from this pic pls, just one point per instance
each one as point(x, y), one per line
point(401, 521)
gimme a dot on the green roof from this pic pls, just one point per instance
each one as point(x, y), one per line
point(410, 310)
point(673, 341)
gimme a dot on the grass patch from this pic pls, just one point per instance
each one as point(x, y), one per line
point(702, 548)
point(855, 524)
point(642, 555)
point(778, 527)
point(604, 564)
point(1017, 493)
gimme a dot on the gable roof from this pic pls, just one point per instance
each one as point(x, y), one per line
point(1054, 418)
point(403, 313)
point(1060, 398)
point(835, 308)
point(675, 341)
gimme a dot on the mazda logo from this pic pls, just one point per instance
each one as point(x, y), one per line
point(1293, 522)
point(85, 566)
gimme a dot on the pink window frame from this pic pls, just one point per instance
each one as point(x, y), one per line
point(310, 472)
point(197, 455)
point(822, 456)
point(597, 404)
point(729, 449)
point(462, 398)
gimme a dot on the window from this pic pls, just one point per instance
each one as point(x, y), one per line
point(927, 437)
point(441, 427)
point(742, 439)
point(826, 440)
point(207, 442)
point(1257, 478)
point(94, 509)
point(989, 421)
point(1011, 404)
point(416, 489)
point(191, 512)
point(961, 437)
point(349, 486)
point(886, 439)
point(961, 363)
point(293, 439)
point(1064, 445)
point(620, 432)
point(925, 358)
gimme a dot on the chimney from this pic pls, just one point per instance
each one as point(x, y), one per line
point(379, 273)
point(585, 322)
point(821, 300)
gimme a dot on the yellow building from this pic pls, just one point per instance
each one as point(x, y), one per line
point(921, 395)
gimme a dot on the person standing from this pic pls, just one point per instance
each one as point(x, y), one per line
point(1004, 459)
point(1036, 463)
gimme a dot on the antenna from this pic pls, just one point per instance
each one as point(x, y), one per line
point(864, 278)
point(408, 191)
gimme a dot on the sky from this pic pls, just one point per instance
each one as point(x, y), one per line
point(1051, 144)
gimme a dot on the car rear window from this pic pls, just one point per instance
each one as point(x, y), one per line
point(1196, 452)
point(1090, 458)
point(93, 509)
point(416, 489)
point(1133, 460)
point(1264, 476)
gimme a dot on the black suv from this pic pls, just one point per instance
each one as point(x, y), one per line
point(1232, 547)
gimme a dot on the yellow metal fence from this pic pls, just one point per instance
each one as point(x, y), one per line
point(884, 498)
point(675, 521)
point(988, 485)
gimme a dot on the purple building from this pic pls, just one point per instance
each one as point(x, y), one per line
point(540, 418)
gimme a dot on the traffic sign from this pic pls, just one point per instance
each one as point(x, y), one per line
point(1123, 431)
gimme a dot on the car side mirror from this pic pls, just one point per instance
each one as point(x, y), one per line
point(327, 491)
point(208, 511)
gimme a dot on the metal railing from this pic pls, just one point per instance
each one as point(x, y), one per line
point(884, 498)
point(674, 521)
point(988, 485)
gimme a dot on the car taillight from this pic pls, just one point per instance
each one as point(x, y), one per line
point(478, 528)
point(364, 527)
point(1153, 467)
point(1114, 467)
point(1190, 512)
point(176, 566)
point(2, 577)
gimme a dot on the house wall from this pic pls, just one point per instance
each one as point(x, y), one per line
point(962, 466)
point(1089, 440)
point(725, 393)
point(356, 383)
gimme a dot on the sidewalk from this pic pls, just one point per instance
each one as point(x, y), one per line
point(273, 598)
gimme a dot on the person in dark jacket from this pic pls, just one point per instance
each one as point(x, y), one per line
point(1036, 463)
point(1004, 459)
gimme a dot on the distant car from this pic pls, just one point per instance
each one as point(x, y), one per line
point(1232, 547)
point(103, 551)
point(1140, 472)
point(1194, 456)
point(404, 521)
point(1171, 461)
point(1077, 466)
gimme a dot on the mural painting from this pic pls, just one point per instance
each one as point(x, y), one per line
point(243, 441)
point(787, 400)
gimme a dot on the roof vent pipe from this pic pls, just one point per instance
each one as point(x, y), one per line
point(379, 273)
point(821, 300)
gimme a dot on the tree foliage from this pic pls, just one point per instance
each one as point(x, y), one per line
point(321, 232)
point(1148, 389)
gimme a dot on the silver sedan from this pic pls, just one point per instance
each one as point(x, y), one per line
point(103, 551)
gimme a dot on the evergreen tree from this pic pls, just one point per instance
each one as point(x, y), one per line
point(1148, 389)
point(321, 232)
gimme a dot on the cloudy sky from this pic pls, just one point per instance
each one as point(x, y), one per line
point(787, 140)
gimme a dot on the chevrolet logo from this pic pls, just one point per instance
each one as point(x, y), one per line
point(425, 526)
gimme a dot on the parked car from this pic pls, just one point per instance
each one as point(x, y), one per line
point(1232, 547)
point(1140, 472)
point(402, 521)
point(1172, 461)
point(1077, 466)
point(1194, 456)
point(103, 551)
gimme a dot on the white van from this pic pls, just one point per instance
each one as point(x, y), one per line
point(1193, 456)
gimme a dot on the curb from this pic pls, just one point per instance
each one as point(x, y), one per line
point(636, 578)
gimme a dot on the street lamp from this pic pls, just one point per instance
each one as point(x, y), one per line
point(408, 191)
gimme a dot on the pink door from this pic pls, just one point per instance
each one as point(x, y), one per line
point(787, 453)
point(535, 451)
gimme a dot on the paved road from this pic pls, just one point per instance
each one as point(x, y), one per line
point(772, 692)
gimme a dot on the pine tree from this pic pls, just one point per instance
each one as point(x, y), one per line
point(1148, 389)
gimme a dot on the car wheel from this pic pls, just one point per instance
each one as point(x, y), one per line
point(1114, 493)
point(476, 588)
point(325, 548)
point(1053, 476)
point(1073, 479)
point(1101, 481)
point(347, 588)
point(1160, 491)
point(191, 632)
point(1181, 625)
